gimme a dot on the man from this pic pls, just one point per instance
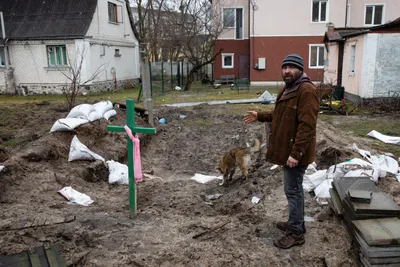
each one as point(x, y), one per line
point(292, 142)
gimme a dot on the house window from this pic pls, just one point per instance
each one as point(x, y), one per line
point(57, 55)
point(373, 14)
point(114, 13)
point(2, 57)
point(228, 61)
point(316, 56)
point(352, 59)
point(228, 17)
point(319, 10)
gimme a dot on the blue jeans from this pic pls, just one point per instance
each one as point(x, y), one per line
point(293, 186)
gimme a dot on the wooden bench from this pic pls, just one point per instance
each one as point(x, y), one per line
point(227, 79)
point(241, 84)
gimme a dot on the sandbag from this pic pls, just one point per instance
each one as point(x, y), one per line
point(103, 106)
point(94, 116)
point(79, 151)
point(118, 173)
point(109, 114)
point(67, 124)
point(81, 111)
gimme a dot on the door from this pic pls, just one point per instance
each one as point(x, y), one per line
point(244, 64)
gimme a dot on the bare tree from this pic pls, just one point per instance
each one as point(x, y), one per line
point(75, 74)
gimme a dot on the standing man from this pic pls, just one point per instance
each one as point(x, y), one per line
point(292, 142)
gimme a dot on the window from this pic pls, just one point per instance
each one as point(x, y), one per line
point(117, 54)
point(228, 61)
point(233, 18)
point(319, 10)
point(228, 15)
point(57, 55)
point(317, 56)
point(352, 59)
point(373, 14)
point(114, 13)
point(2, 57)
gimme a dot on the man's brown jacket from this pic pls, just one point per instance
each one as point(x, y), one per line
point(294, 123)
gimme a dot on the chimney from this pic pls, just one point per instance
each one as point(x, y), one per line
point(330, 27)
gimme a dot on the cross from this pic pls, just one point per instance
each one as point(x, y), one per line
point(130, 122)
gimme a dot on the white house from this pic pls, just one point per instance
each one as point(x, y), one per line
point(44, 40)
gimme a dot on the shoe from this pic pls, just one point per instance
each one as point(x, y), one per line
point(289, 240)
point(284, 226)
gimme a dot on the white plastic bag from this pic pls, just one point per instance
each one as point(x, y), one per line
point(67, 124)
point(118, 173)
point(205, 178)
point(94, 116)
point(1, 168)
point(79, 151)
point(75, 197)
point(109, 114)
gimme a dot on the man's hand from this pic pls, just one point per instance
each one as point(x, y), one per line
point(291, 162)
point(250, 117)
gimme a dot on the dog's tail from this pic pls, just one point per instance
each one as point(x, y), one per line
point(256, 146)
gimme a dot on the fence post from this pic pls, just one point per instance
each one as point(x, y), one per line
point(178, 75)
point(172, 78)
point(162, 77)
point(151, 80)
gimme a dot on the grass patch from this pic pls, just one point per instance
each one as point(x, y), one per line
point(200, 123)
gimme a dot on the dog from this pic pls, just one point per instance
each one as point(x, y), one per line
point(237, 157)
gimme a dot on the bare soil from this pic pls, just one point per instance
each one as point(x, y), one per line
point(176, 224)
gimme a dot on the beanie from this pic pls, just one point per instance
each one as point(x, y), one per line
point(294, 60)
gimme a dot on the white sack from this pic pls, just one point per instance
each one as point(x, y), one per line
point(94, 116)
point(81, 111)
point(205, 178)
point(67, 124)
point(322, 190)
point(103, 106)
point(385, 138)
point(1, 168)
point(109, 114)
point(79, 151)
point(75, 197)
point(118, 173)
point(311, 181)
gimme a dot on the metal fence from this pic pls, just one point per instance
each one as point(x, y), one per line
point(166, 76)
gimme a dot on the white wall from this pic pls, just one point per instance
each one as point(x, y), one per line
point(351, 81)
point(217, 16)
point(387, 65)
point(294, 18)
point(330, 74)
point(107, 37)
point(357, 11)
point(368, 65)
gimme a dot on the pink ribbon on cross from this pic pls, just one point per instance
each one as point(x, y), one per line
point(137, 164)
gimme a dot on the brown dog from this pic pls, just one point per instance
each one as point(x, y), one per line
point(237, 157)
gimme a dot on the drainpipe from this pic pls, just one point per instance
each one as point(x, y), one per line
point(3, 30)
point(248, 33)
point(347, 10)
point(340, 64)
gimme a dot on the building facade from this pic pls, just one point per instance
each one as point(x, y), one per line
point(257, 35)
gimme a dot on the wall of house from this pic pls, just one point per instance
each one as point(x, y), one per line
point(238, 47)
point(270, 18)
point(352, 81)
point(387, 65)
point(357, 11)
point(106, 38)
point(331, 68)
point(229, 33)
point(274, 50)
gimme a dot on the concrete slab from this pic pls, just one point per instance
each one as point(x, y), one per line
point(343, 185)
point(381, 203)
point(379, 232)
point(336, 201)
point(376, 251)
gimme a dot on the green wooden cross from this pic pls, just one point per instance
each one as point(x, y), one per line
point(130, 122)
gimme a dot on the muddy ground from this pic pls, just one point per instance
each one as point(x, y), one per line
point(172, 209)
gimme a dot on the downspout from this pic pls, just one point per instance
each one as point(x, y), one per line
point(347, 10)
point(248, 33)
point(3, 31)
point(340, 63)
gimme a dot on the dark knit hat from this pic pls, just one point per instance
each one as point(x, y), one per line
point(294, 60)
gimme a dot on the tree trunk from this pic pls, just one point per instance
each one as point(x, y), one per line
point(189, 79)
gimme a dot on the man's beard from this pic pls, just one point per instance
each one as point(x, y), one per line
point(290, 79)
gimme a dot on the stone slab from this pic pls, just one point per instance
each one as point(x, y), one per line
point(362, 196)
point(379, 232)
point(366, 263)
point(376, 251)
point(381, 203)
point(335, 199)
point(343, 185)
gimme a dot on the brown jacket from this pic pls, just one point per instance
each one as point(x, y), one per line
point(294, 123)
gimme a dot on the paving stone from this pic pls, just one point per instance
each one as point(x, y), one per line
point(379, 232)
